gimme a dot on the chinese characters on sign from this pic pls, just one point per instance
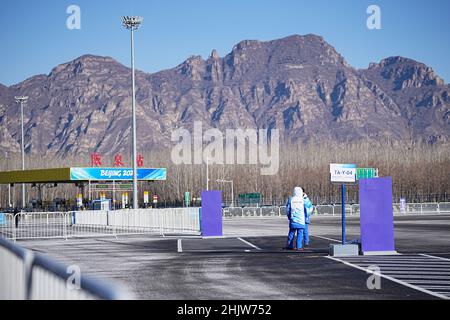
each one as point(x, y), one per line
point(118, 160)
point(96, 160)
point(140, 160)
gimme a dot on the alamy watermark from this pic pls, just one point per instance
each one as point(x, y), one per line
point(73, 282)
point(374, 20)
point(73, 22)
point(374, 280)
point(229, 147)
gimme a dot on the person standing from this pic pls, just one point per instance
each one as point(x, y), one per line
point(16, 217)
point(308, 211)
point(295, 211)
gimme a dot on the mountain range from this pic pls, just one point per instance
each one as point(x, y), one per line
point(299, 84)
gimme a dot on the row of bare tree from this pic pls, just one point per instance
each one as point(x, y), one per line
point(417, 169)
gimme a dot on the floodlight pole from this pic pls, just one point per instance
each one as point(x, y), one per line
point(133, 23)
point(9, 184)
point(21, 100)
point(207, 174)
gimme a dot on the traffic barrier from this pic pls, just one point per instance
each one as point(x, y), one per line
point(336, 209)
point(14, 269)
point(45, 225)
point(251, 212)
point(39, 225)
point(324, 210)
point(444, 207)
point(233, 212)
point(270, 211)
point(7, 225)
point(25, 275)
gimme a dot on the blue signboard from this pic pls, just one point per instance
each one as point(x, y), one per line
point(109, 174)
point(2, 219)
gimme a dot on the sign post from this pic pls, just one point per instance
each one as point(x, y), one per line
point(155, 200)
point(187, 199)
point(366, 173)
point(124, 200)
point(343, 214)
point(145, 198)
point(343, 174)
point(79, 200)
point(402, 205)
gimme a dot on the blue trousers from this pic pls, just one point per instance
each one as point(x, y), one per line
point(306, 235)
point(291, 235)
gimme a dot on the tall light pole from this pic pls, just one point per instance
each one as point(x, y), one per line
point(2, 114)
point(9, 184)
point(22, 100)
point(207, 173)
point(232, 191)
point(132, 23)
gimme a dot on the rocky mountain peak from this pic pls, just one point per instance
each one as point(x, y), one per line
point(87, 65)
point(308, 48)
point(193, 67)
point(214, 55)
point(299, 84)
point(405, 73)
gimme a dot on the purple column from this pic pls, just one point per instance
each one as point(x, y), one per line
point(376, 215)
point(211, 214)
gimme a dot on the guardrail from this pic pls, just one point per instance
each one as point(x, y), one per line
point(65, 225)
point(351, 210)
point(25, 275)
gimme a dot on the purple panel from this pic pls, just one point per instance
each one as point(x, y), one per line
point(377, 216)
point(211, 217)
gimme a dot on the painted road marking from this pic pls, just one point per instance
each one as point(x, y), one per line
point(179, 246)
point(248, 243)
point(325, 238)
point(412, 271)
point(440, 258)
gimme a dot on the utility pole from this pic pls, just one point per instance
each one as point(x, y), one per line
point(133, 23)
point(22, 100)
point(207, 174)
point(9, 184)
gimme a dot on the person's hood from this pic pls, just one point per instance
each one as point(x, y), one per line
point(298, 192)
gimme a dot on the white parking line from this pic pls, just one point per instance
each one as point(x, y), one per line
point(396, 278)
point(415, 272)
point(250, 244)
point(325, 238)
point(437, 282)
point(440, 258)
point(412, 269)
point(423, 277)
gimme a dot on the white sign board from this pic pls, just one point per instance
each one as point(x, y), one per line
point(402, 205)
point(124, 199)
point(343, 173)
point(79, 200)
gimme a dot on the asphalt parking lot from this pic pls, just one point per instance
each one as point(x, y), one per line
point(248, 263)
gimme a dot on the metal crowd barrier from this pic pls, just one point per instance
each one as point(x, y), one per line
point(25, 275)
point(350, 209)
point(65, 225)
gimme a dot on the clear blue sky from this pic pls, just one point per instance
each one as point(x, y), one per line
point(34, 37)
